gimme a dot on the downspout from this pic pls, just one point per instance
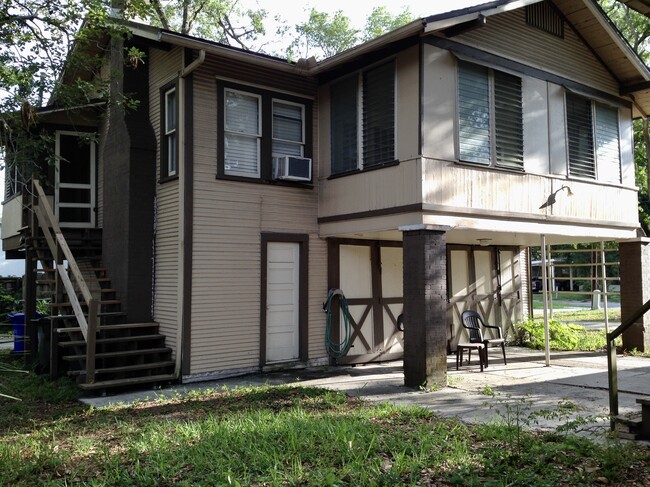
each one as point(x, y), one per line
point(184, 72)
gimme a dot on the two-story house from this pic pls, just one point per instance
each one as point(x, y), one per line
point(410, 172)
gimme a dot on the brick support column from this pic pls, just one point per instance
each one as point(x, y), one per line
point(635, 291)
point(425, 306)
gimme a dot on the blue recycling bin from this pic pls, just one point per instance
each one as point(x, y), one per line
point(20, 336)
point(18, 320)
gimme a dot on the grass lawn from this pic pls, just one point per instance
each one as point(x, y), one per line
point(285, 435)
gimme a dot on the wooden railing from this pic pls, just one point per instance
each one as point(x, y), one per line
point(612, 373)
point(64, 276)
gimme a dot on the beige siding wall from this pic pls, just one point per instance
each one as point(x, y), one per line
point(164, 67)
point(387, 187)
point(407, 83)
point(508, 35)
point(12, 216)
point(460, 186)
point(229, 217)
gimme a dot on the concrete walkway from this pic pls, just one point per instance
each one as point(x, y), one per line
point(579, 377)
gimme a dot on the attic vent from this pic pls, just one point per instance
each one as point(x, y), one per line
point(543, 16)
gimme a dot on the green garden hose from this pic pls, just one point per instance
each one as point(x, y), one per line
point(340, 349)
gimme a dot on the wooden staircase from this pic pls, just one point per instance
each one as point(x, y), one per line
point(635, 426)
point(90, 338)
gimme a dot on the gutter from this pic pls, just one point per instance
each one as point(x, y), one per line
point(182, 183)
point(194, 64)
point(228, 52)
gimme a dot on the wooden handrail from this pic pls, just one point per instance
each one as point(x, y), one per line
point(58, 245)
point(612, 373)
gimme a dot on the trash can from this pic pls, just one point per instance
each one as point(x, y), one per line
point(43, 334)
point(18, 320)
point(20, 335)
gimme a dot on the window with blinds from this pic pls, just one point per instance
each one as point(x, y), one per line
point(288, 129)
point(259, 127)
point(379, 115)
point(508, 121)
point(169, 150)
point(593, 139)
point(608, 151)
point(344, 125)
point(171, 139)
point(490, 118)
point(370, 134)
point(242, 133)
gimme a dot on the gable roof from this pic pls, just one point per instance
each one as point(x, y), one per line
point(585, 17)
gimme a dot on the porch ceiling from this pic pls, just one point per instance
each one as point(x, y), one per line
point(520, 234)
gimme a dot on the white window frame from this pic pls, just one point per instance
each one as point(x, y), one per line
point(303, 123)
point(258, 136)
point(492, 120)
point(598, 171)
point(171, 134)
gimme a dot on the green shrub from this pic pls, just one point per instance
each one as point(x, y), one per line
point(561, 336)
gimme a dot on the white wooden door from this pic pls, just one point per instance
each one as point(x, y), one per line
point(75, 180)
point(282, 301)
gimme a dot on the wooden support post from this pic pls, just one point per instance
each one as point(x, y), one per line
point(612, 378)
point(29, 306)
point(425, 306)
point(91, 341)
point(55, 366)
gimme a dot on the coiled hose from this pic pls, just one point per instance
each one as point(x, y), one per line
point(337, 349)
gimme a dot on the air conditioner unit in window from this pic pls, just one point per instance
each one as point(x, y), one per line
point(292, 168)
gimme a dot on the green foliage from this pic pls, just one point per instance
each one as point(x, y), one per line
point(324, 35)
point(561, 336)
point(635, 28)
point(223, 21)
point(45, 46)
point(35, 392)
point(9, 303)
point(295, 436)
point(382, 21)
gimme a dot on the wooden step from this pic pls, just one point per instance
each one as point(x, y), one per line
point(122, 353)
point(127, 368)
point(106, 341)
point(121, 326)
point(108, 384)
point(645, 416)
point(100, 314)
point(83, 303)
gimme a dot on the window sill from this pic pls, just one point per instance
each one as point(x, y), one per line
point(272, 182)
point(361, 171)
point(492, 167)
point(167, 179)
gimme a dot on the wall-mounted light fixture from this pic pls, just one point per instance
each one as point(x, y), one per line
point(484, 242)
point(551, 198)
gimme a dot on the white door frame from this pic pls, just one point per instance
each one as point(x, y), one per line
point(303, 250)
point(58, 185)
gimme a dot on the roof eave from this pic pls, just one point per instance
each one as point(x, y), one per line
point(449, 19)
point(616, 36)
point(408, 30)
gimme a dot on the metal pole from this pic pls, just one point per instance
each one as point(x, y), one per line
point(604, 275)
point(547, 347)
